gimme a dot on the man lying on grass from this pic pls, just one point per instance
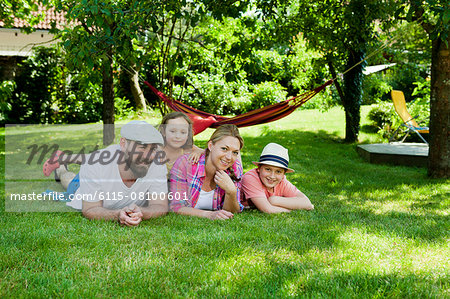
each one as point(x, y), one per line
point(267, 188)
point(122, 182)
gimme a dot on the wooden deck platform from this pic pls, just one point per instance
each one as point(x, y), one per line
point(407, 154)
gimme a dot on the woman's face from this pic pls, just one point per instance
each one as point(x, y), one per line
point(224, 152)
point(270, 176)
point(176, 132)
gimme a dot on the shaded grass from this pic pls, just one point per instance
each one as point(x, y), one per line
point(376, 231)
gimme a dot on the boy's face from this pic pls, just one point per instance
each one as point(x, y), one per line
point(270, 176)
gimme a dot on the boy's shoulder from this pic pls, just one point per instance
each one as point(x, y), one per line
point(251, 173)
point(251, 177)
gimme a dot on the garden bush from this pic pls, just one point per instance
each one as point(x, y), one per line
point(45, 91)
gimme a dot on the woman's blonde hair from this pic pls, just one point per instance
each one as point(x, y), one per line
point(173, 115)
point(222, 132)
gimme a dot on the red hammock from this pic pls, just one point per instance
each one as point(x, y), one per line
point(203, 120)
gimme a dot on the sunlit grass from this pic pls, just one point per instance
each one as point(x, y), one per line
point(376, 231)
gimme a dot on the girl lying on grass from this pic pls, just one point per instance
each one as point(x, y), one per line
point(176, 129)
point(267, 188)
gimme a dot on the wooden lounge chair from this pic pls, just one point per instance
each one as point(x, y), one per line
point(409, 122)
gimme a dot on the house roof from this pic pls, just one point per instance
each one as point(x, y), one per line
point(50, 16)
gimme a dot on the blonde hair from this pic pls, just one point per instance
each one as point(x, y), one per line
point(222, 132)
point(173, 115)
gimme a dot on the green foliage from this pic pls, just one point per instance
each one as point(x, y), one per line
point(267, 93)
point(122, 108)
point(384, 118)
point(212, 93)
point(375, 87)
point(433, 14)
point(46, 92)
point(408, 43)
point(174, 43)
point(6, 90)
point(38, 80)
point(221, 75)
point(82, 100)
point(403, 75)
point(420, 106)
point(26, 10)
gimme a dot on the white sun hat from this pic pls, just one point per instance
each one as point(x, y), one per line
point(275, 155)
point(142, 132)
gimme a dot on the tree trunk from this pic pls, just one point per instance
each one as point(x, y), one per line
point(439, 153)
point(108, 101)
point(336, 82)
point(136, 90)
point(353, 95)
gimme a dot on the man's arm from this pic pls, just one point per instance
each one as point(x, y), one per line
point(156, 207)
point(95, 210)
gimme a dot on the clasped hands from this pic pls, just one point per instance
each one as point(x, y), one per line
point(130, 215)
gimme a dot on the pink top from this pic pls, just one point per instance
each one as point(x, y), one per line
point(253, 187)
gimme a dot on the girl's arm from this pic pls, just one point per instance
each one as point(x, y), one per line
point(195, 154)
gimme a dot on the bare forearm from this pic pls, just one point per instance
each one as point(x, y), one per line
point(100, 213)
point(193, 212)
point(266, 207)
point(275, 210)
point(230, 203)
point(154, 211)
point(300, 202)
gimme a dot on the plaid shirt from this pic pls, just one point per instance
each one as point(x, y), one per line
point(186, 181)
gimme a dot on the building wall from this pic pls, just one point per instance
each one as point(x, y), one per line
point(16, 46)
point(15, 43)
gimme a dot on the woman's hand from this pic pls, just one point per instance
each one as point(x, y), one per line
point(220, 214)
point(223, 180)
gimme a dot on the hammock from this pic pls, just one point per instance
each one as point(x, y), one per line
point(203, 120)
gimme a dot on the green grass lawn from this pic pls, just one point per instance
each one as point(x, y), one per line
point(376, 231)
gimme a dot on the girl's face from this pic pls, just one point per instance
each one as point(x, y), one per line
point(224, 152)
point(176, 132)
point(270, 176)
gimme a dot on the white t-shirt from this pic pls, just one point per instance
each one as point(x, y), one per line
point(102, 181)
point(205, 200)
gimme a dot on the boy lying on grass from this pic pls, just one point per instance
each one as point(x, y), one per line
point(267, 188)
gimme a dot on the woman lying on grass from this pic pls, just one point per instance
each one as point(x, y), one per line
point(267, 187)
point(210, 188)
